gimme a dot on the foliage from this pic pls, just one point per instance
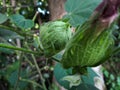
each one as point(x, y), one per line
point(79, 11)
point(61, 73)
point(21, 22)
point(23, 63)
point(111, 68)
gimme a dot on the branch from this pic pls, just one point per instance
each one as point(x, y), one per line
point(14, 30)
point(39, 71)
point(18, 76)
point(20, 6)
point(30, 81)
point(16, 48)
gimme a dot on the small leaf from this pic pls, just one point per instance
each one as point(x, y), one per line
point(3, 18)
point(74, 80)
point(112, 77)
point(60, 73)
point(58, 56)
point(118, 80)
point(106, 73)
point(21, 22)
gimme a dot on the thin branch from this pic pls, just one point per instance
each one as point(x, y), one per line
point(30, 81)
point(18, 6)
point(15, 30)
point(39, 71)
point(35, 16)
point(19, 72)
point(13, 3)
point(38, 15)
point(16, 48)
point(4, 3)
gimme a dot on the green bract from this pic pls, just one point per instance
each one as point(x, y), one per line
point(90, 46)
point(54, 36)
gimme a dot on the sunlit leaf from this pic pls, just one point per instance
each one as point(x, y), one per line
point(74, 80)
point(80, 10)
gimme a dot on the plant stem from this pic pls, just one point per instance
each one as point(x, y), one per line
point(30, 81)
point(16, 48)
point(39, 71)
point(26, 58)
point(35, 16)
point(14, 30)
point(18, 76)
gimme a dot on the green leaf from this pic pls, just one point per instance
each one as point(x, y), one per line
point(118, 80)
point(80, 10)
point(60, 73)
point(58, 56)
point(13, 78)
point(7, 34)
point(112, 77)
point(74, 80)
point(21, 22)
point(84, 87)
point(106, 73)
point(89, 79)
point(11, 74)
point(3, 18)
point(10, 68)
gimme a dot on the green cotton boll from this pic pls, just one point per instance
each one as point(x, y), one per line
point(54, 36)
point(90, 46)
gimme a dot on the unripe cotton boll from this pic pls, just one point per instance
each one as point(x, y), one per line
point(54, 36)
point(92, 43)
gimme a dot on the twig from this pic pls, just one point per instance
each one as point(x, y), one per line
point(35, 16)
point(30, 81)
point(19, 72)
point(26, 58)
point(38, 15)
point(20, 6)
point(4, 3)
point(15, 30)
point(39, 71)
point(16, 48)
